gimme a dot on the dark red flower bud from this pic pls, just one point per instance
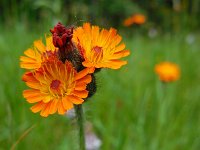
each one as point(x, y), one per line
point(62, 39)
point(61, 35)
point(57, 41)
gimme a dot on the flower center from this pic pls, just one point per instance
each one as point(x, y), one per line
point(97, 49)
point(55, 84)
point(98, 54)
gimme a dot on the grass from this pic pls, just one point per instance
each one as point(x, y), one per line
point(131, 109)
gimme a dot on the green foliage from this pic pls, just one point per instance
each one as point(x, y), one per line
point(131, 110)
point(169, 15)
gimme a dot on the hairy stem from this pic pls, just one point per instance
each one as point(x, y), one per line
point(80, 123)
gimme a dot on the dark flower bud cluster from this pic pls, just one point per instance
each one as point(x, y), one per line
point(61, 35)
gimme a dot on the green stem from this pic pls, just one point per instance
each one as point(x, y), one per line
point(80, 122)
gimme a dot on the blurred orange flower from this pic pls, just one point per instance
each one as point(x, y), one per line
point(167, 71)
point(56, 86)
point(35, 56)
point(139, 19)
point(128, 22)
point(134, 19)
point(100, 48)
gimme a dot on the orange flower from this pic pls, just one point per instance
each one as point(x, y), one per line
point(167, 71)
point(128, 22)
point(134, 19)
point(138, 19)
point(55, 87)
point(100, 49)
point(35, 56)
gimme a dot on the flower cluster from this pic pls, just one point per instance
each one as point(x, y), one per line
point(134, 19)
point(60, 73)
point(167, 71)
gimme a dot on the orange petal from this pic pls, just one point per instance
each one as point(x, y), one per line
point(28, 76)
point(116, 64)
point(82, 73)
point(30, 53)
point(120, 47)
point(47, 98)
point(45, 111)
point(31, 93)
point(100, 65)
point(53, 106)
point(29, 65)
point(75, 99)
point(27, 59)
point(102, 35)
point(120, 54)
point(91, 69)
point(61, 109)
point(86, 79)
point(38, 107)
point(95, 33)
point(86, 27)
point(87, 64)
point(31, 81)
point(81, 94)
point(39, 45)
point(49, 43)
point(67, 103)
point(35, 99)
point(117, 40)
point(34, 85)
point(108, 36)
point(80, 87)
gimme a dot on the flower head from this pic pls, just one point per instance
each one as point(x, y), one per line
point(167, 71)
point(34, 57)
point(138, 19)
point(128, 22)
point(100, 48)
point(56, 86)
point(134, 19)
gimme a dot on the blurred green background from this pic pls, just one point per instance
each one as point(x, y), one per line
point(131, 110)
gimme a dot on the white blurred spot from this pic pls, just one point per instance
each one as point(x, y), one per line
point(71, 114)
point(152, 33)
point(92, 141)
point(190, 39)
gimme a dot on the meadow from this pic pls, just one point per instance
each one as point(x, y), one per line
point(132, 109)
